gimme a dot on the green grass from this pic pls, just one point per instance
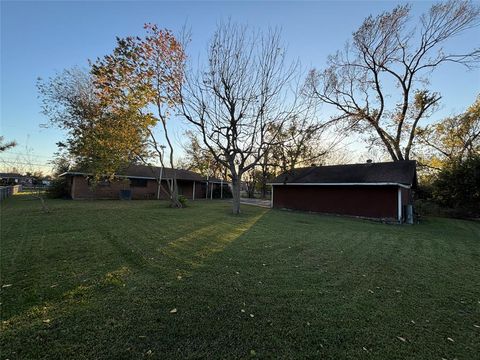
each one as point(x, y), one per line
point(93, 280)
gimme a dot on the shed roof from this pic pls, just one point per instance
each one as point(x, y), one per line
point(151, 172)
point(398, 172)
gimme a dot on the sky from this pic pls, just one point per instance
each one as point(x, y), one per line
point(40, 38)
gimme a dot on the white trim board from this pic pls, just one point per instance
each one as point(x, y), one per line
point(399, 205)
point(344, 184)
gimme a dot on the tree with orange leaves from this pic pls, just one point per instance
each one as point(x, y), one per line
point(142, 77)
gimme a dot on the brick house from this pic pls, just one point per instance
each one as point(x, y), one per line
point(142, 182)
point(371, 190)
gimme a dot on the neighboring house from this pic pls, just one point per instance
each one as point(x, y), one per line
point(142, 182)
point(372, 190)
point(15, 179)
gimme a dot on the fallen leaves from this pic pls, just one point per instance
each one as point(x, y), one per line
point(6, 285)
point(173, 311)
point(450, 339)
point(401, 339)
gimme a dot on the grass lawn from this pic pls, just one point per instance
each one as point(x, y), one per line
point(93, 280)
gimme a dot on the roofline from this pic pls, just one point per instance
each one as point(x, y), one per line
point(353, 164)
point(346, 184)
point(143, 177)
point(121, 176)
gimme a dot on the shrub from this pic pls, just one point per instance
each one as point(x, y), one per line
point(58, 189)
point(183, 200)
point(457, 187)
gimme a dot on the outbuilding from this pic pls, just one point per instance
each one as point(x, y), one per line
point(372, 190)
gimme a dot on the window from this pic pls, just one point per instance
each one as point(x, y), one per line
point(138, 182)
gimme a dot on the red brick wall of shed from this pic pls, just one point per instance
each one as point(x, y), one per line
point(366, 201)
point(79, 189)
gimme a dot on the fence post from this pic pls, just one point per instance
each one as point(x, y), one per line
point(6, 191)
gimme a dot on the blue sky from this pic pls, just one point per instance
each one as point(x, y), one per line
point(39, 38)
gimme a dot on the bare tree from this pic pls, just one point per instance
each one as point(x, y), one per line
point(198, 158)
point(6, 145)
point(303, 141)
point(237, 98)
point(387, 54)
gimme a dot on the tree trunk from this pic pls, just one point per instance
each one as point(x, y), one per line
point(251, 190)
point(236, 195)
point(174, 202)
point(264, 190)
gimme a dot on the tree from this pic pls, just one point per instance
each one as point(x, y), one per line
point(457, 185)
point(377, 82)
point(141, 80)
point(302, 142)
point(199, 159)
point(252, 178)
point(238, 97)
point(58, 184)
point(6, 145)
point(454, 138)
point(98, 140)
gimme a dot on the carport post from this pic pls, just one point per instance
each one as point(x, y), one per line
point(211, 192)
point(221, 189)
point(193, 194)
point(271, 197)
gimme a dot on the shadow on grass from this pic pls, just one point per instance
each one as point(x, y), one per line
point(194, 248)
point(189, 251)
point(71, 299)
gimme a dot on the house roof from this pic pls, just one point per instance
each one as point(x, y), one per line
point(383, 173)
point(151, 172)
point(11, 175)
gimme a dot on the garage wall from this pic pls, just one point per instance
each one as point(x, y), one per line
point(366, 201)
